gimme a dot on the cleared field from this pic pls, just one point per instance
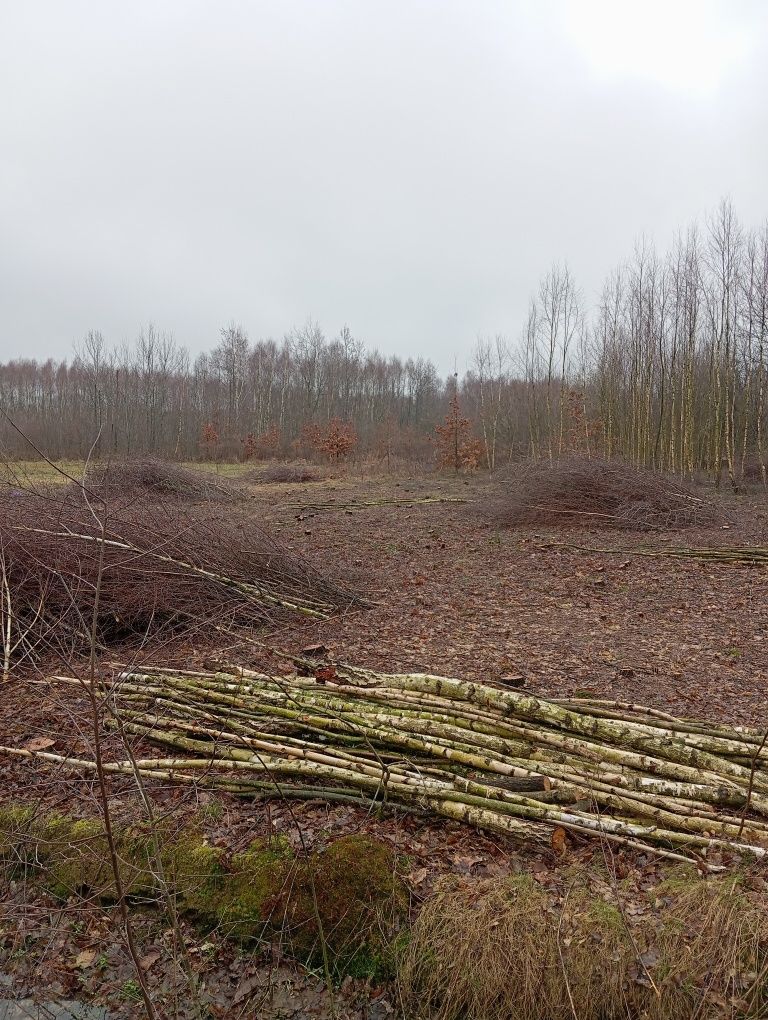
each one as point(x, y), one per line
point(556, 612)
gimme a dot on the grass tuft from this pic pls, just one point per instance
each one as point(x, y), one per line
point(514, 949)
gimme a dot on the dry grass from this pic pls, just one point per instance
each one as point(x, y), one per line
point(29, 473)
point(597, 493)
point(514, 949)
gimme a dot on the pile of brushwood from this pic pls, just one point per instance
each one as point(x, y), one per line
point(148, 476)
point(285, 473)
point(498, 759)
point(146, 568)
point(597, 493)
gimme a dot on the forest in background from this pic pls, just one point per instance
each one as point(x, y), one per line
point(668, 370)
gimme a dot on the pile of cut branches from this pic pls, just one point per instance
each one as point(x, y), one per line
point(498, 759)
point(599, 494)
point(148, 568)
point(148, 476)
point(285, 473)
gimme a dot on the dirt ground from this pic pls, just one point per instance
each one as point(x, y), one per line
point(452, 594)
point(459, 596)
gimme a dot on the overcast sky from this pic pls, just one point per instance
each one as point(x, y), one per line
point(408, 167)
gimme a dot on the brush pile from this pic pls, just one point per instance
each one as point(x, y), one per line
point(598, 494)
point(501, 760)
point(149, 477)
point(154, 568)
point(286, 473)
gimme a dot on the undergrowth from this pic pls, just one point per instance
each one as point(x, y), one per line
point(574, 944)
point(346, 900)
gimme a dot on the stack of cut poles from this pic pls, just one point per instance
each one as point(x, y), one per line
point(750, 554)
point(495, 758)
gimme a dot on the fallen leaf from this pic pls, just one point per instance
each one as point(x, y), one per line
point(246, 989)
point(150, 959)
point(465, 864)
point(650, 958)
point(316, 651)
point(85, 958)
point(39, 743)
point(559, 841)
point(417, 877)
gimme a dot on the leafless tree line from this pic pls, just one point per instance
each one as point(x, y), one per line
point(150, 397)
point(667, 370)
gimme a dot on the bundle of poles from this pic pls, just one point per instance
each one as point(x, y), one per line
point(502, 760)
point(756, 555)
point(727, 554)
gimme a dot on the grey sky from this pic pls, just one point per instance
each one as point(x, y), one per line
point(409, 168)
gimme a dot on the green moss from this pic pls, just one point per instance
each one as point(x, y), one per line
point(346, 903)
point(77, 860)
point(349, 899)
point(522, 885)
point(73, 856)
point(50, 832)
point(29, 839)
point(246, 904)
point(15, 816)
point(195, 871)
point(604, 915)
point(16, 825)
point(213, 811)
point(679, 881)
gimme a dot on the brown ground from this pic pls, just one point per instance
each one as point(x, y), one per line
point(460, 597)
point(453, 595)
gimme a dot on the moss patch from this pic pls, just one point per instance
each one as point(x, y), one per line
point(246, 906)
point(344, 904)
point(350, 898)
point(194, 871)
